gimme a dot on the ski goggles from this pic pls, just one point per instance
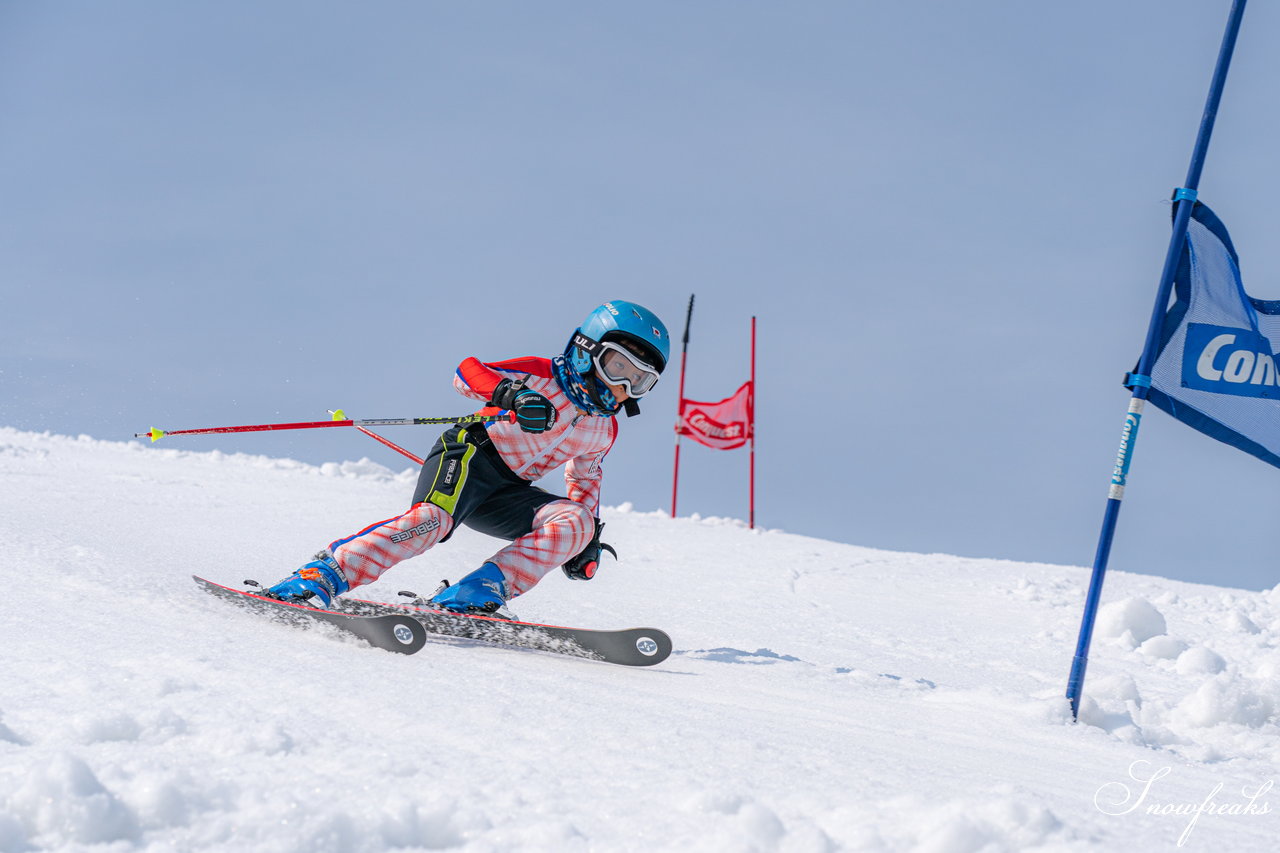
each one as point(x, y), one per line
point(620, 366)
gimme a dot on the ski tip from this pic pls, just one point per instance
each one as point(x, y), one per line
point(156, 434)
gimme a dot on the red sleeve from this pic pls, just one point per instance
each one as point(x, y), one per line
point(479, 377)
point(477, 380)
point(539, 367)
point(583, 474)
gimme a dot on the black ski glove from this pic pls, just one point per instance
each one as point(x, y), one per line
point(534, 412)
point(583, 567)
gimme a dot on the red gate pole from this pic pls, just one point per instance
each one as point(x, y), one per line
point(751, 414)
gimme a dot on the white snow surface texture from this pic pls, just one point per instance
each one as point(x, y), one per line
point(822, 696)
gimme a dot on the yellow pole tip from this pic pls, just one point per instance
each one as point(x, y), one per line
point(339, 415)
point(157, 434)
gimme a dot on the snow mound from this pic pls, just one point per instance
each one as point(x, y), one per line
point(1200, 660)
point(62, 801)
point(1134, 618)
point(1003, 823)
point(1163, 647)
point(1226, 699)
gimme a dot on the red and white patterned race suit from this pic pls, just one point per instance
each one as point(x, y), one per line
point(561, 528)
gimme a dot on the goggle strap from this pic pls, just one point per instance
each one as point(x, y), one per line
point(588, 345)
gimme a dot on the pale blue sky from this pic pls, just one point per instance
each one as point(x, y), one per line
point(949, 218)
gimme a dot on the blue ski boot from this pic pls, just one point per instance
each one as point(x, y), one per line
point(484, 591)
point(316, 584)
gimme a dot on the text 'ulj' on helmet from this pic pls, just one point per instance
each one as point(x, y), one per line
point(626, 324)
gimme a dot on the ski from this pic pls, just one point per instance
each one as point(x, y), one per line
point(625, 646)
point(394, 632)
point(405, 628)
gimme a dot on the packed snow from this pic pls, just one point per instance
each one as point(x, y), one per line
point(822, 696)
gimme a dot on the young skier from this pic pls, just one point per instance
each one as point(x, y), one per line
point(482, 475)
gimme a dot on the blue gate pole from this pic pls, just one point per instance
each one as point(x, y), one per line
point(1184, 197)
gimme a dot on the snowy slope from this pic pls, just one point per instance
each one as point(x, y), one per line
point(822, 696)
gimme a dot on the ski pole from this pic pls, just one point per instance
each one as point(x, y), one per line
point(156, 434)
point(389, 443)
point(339, 415)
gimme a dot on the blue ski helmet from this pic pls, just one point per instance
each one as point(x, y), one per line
point(624, 322)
